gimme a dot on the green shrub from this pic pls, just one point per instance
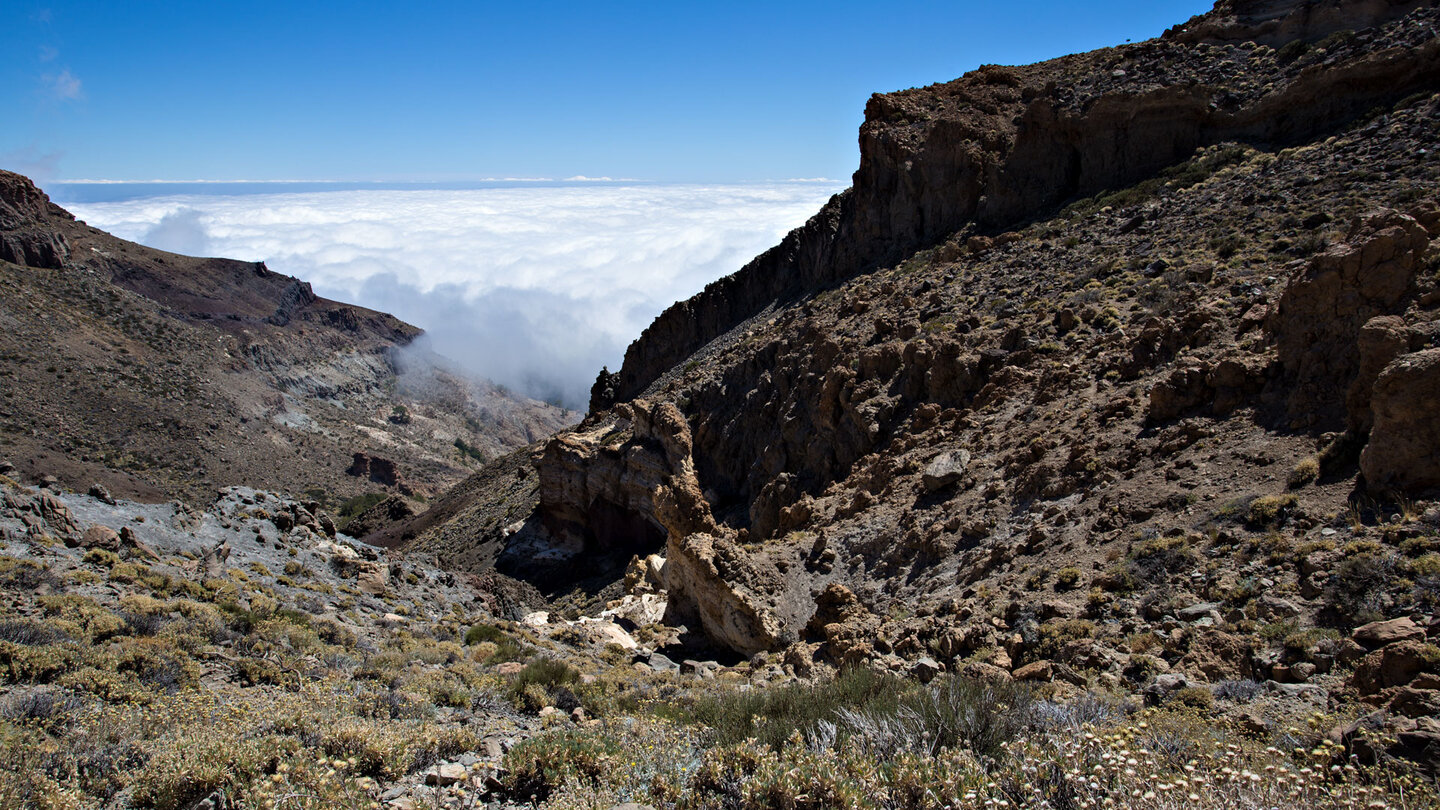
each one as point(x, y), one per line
point(1157, 556)
point(1056, 634)
point(1304, 472)
point(1269, 510)
point(1067, 579)
point(772, 715)
point(952, 713)
point(539, 766)
point(1357, 591)
point(1196, 697)
point(544, 682)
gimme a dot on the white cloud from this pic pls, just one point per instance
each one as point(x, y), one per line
point(64, 86)
point(535, 288)
point(179, 231)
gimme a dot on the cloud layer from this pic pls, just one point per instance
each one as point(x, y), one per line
point(535, 288)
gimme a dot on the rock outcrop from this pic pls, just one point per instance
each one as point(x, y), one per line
point(1328, 344)
point(24, 239)
point(715, 584)
point(1404, 449)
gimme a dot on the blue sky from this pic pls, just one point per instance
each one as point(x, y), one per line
point(442, 91)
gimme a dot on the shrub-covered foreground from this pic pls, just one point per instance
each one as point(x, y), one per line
point(314, 748)
point(877, 741)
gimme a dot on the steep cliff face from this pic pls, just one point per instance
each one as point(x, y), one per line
point(165, 375)
point(1002, 146)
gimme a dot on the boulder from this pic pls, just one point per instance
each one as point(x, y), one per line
point(1199, 611)
point(101, 537)
point(639, 611)
point(1404, 448)
point(1395, 665)
point(946, 469)
point(1274, 609)
point(926, 669)
point(1418, 746)
point(1328, 301)
point(1409, 701)
point(1035, 671)
point(131, 542)
point(372, 577)
point(604, 633)
point(58, 516)
point(1218, 656)
point(212, 562)
point(988, 673)
point(1379, 634)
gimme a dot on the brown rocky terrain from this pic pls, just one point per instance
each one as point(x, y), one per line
point(164, 376)
point(1118, 370)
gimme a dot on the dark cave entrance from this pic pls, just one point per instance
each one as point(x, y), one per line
point(608, 536)
point(615, 531)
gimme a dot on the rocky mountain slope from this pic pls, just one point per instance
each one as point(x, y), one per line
point(162, 376)
point(1119, 368)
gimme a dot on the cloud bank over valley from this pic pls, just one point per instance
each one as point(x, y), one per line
point(534, 288)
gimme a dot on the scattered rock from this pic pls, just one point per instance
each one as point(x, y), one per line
point(946, 469)
point(1394, 665)
point(1379, 634)
point(446, 773)
point(101, 537)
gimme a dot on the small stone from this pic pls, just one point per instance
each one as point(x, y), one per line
point(926, 669)
point(446, 773)
point(1197, 612)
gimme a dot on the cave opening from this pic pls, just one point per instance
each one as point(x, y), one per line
point(600, 546)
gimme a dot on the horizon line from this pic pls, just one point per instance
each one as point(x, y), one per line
point(574, 179)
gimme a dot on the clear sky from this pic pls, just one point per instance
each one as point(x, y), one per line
point(439, 91)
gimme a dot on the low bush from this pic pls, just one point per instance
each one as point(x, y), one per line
point(953, 713)
point(544, 682)
point(770, 716)
point(1268, 510)
point(1304, 472)
point(538, 767)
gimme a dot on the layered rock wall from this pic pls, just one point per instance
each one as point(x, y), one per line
point(1002, 145)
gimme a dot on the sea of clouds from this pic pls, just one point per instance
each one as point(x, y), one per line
point(533, 287)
